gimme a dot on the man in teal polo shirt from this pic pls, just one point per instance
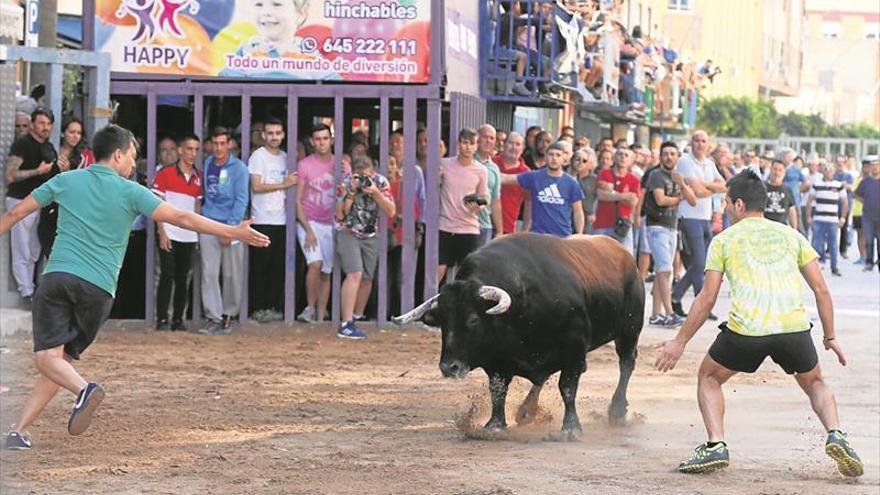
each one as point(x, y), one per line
point(97, 207)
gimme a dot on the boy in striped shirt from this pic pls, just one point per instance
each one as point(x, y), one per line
point(827, 208)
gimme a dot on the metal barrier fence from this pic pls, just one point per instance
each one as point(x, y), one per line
point(804, 145)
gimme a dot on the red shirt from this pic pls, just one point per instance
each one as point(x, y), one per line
point(605, 216)
point(171, 179)
point(512, 196)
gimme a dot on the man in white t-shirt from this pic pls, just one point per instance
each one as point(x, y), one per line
point(695, 223)
point(270, 181)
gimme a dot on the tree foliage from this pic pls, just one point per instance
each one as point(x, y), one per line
point(748, 118)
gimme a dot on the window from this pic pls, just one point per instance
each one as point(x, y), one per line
point(830, 29)
point(684, 5)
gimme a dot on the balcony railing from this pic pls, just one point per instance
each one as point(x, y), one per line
point(534, 50)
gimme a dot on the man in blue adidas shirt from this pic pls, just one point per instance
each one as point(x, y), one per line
point(96, 208)
point(556, 196)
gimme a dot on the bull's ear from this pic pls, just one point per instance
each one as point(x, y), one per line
point(431, 318)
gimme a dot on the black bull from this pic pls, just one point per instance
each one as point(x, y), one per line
point(530, 305)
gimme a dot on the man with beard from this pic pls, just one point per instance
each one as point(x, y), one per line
point(30, 162)
point(556, 196)
point(664, 190)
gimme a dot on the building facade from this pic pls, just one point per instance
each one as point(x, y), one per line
point(841, 72)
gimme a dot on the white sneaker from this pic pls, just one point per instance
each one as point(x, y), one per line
point(307, 316)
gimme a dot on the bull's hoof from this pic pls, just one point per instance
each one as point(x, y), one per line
point(617, 415)
point(617, 420)
point(567, 434)
point(495, 424)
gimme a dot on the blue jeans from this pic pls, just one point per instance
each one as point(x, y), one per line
point(825, 234)
point(696, 236)
point(627, 241)
point(871, 233)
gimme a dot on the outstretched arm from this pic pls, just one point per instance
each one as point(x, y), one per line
point(12, 216)
point(197, 223)
point(671, 350)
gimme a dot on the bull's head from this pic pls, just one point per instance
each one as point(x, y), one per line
point(463, 311)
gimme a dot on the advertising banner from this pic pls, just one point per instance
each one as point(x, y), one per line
point(329, 40)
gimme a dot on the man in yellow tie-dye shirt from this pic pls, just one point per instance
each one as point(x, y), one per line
point(764, 263)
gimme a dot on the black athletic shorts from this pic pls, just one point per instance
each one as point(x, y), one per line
point(68, 311)
point(857, 223)
point(454, 248)
point(794, 352)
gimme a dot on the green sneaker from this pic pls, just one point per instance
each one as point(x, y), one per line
point(706, 459)
point(838, 448)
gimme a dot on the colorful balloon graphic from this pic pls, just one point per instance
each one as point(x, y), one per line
point(194, 37)
point(228, 40)
point(364, 29)
point(214, 15)
point(105, 10)
point(420, 31)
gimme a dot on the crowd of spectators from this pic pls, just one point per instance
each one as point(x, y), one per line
point(544, 46)
point(663, 205)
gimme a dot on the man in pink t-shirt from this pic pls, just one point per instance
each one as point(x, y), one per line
point(316, 203)
point(460, 177)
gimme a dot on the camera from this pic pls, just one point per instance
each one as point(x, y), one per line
point(361, 181)
point(475, 198)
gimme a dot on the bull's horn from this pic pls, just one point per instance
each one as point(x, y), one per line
point(416, 313)
point(492, 293)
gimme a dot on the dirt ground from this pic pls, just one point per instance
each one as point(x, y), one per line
point(293, 410)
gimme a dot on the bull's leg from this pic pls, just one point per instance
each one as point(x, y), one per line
point(498, 384)
point(568, 386)
point(529, 408)
point(627, 350)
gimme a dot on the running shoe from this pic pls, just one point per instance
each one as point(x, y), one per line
point(349, 330)
point(835, 272)
point(261, 316)
point(838, 448)
point(17, 441)
point(657, 321)
point(706, 459)
point(307, 316)
point(162, 325)
point(87, 402)
point(273, 315)
point(210, 327)
point(178, 326)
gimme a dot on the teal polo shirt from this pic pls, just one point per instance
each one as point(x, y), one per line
point(96, 209)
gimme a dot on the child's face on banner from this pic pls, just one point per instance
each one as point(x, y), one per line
point(275, 19)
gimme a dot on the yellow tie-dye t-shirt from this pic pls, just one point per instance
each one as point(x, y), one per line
point(761, 260)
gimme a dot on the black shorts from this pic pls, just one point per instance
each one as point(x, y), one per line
point(68, 311)
point(454, 248)
point(794, 352)
point(857, 223)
